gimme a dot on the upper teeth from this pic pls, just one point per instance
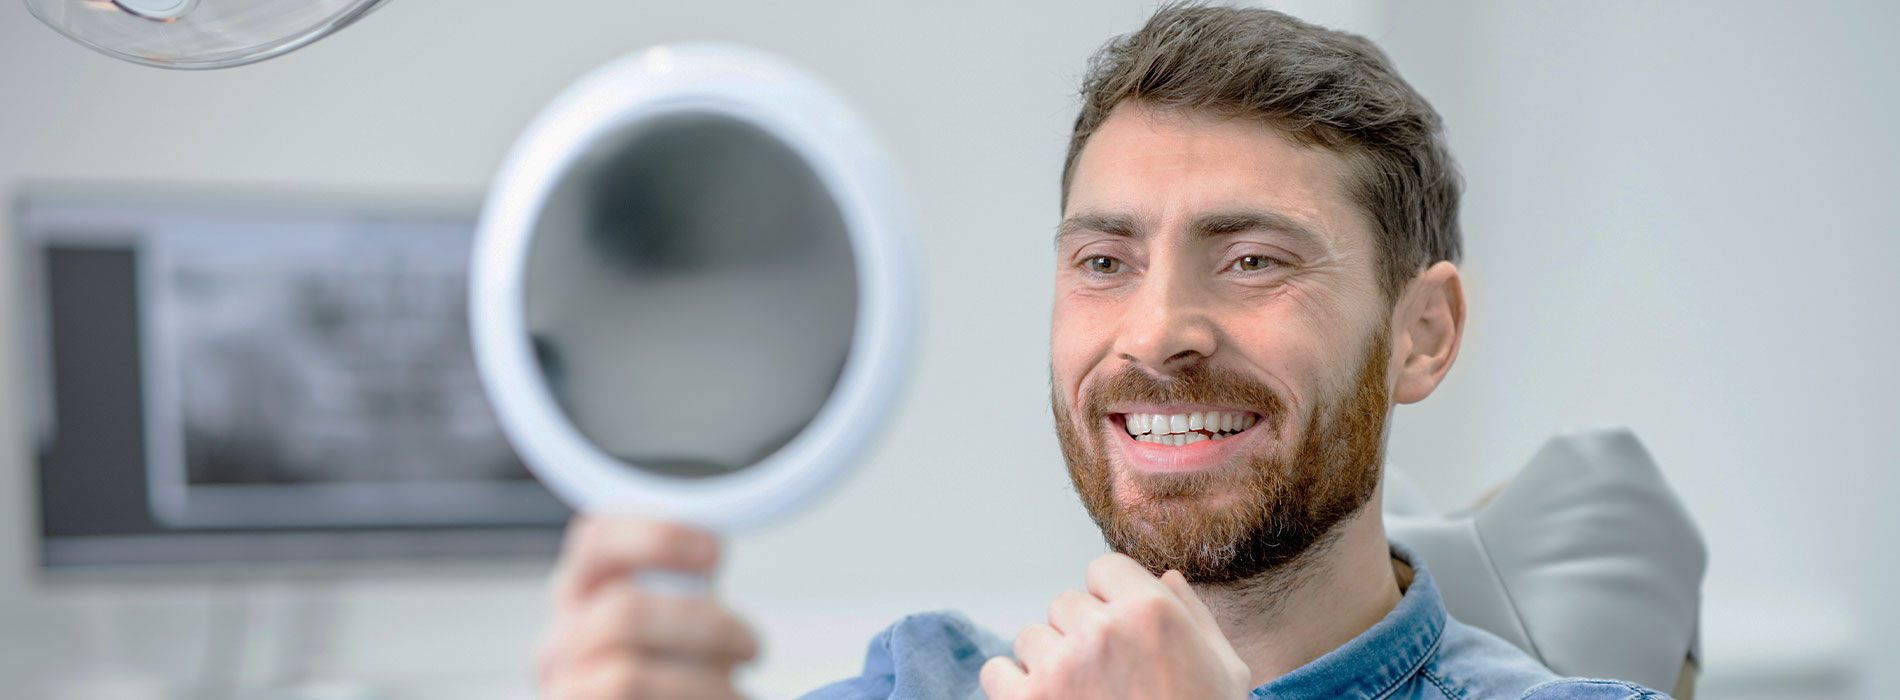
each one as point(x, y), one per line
point(1173, 423)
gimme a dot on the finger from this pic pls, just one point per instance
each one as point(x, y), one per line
point(1074, 611)
point(1002, 678)
point(1114, 576)
point(648, 678)
point(1035, 644)
point(1178, 583)
point(626, 620)
point(598, 549)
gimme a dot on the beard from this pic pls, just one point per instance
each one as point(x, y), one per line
point(1272, 509)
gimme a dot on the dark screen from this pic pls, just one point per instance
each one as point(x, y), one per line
point(94, 508)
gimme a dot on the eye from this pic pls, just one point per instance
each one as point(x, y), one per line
point(1103, 265)
point(1254, 263)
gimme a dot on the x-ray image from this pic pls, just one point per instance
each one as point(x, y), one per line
point(317, 371)
point(349, 364)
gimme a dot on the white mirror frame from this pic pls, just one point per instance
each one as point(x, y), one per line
point(852, 166)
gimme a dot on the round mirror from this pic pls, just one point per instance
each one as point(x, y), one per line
point(690, 295)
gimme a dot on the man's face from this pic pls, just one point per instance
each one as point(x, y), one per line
point(1219, 344)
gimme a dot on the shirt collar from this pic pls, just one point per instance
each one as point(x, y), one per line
point(1379, 659)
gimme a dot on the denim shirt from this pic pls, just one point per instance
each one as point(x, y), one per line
point(1417, 652)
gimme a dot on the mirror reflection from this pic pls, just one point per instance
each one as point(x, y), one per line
point(691, 295)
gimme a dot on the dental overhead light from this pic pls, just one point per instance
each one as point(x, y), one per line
point(198, 34)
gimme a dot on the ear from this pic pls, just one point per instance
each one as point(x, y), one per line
point(1427, 326)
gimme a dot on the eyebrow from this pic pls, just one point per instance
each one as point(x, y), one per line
point(1207, 226)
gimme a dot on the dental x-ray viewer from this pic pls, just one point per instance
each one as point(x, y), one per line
point(1256, 261)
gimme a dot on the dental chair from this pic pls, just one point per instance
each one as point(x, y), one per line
point(1585, 559)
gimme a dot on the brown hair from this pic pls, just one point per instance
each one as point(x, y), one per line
point(1320, 87)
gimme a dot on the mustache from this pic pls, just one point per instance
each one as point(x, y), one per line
point(1198, 383)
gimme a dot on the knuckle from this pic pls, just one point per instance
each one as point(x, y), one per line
point(1021, 647)
point(1148, 609)
point(989, 676)
point(1069, 601)
point(994, 678)
point(1089, 623)
point(1061, 603)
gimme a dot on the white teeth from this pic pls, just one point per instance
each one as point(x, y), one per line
point(1163, 428)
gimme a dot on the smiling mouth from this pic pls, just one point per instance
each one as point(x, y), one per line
point(1177, 429)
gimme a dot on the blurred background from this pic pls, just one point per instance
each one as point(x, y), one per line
point(1681, 218)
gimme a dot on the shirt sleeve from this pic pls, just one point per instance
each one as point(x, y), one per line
point(928, 656)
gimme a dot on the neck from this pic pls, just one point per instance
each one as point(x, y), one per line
point(1287, 618)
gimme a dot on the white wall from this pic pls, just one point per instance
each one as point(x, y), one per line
point(1679, 219)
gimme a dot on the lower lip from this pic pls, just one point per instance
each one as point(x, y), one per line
point(1152, 457)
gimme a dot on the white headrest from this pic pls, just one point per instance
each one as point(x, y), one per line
point(1585, 559)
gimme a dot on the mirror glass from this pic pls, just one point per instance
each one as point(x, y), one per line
point(690, 294)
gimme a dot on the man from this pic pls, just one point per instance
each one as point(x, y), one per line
point(1256, 261)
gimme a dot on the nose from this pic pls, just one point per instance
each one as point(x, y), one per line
point(1167, 324)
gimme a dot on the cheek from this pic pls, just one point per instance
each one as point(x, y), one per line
point(1289, 355)
point(1080, 336)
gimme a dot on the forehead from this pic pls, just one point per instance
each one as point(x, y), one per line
point(1159, 166)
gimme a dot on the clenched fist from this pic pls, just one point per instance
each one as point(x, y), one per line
point(1130, 635)
point(611, 640)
